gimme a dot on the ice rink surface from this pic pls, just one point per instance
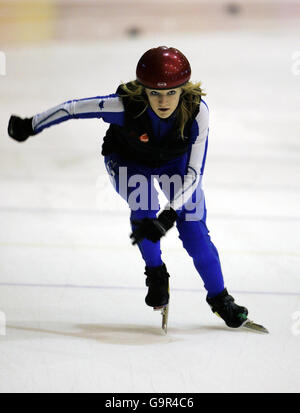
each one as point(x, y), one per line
point(72, 286)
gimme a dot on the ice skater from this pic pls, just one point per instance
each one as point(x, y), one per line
point(158, 131)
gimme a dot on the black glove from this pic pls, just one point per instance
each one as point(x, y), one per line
point(155, 228)
point(20, 129)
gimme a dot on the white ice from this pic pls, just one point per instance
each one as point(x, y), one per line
point(72, 286)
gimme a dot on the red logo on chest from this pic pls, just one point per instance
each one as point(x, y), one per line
point(144, 137)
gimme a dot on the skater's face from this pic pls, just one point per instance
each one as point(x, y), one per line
point(164, 101)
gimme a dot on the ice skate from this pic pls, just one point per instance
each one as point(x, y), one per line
point(157, 282)
point(234, 315)
point(224, 306)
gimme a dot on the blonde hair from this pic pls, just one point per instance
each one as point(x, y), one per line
point(189, 100)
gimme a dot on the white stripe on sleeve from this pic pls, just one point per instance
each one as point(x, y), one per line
point(196, 162)
point(95, 107)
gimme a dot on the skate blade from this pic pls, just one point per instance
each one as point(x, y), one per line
point(164, 310)
point(165, 316)
point(255, 327)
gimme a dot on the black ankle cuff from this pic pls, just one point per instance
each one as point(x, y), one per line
point(218, 299)
point(161, 269)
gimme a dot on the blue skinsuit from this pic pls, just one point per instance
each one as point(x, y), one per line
point(192, 232)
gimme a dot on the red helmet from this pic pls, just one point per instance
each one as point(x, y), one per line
point(163, 68)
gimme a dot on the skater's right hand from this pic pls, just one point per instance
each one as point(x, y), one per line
point(155, 228)
point(20, 129)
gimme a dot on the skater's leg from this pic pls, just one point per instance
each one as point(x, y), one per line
point(150, 251)
point(195, 237)
point(157, 277)
point(196, 240)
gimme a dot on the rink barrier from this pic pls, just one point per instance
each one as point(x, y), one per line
point(35, 21)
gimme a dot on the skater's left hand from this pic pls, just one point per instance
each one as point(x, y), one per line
point(153, 228)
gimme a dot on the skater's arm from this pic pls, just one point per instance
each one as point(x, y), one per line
point(110, 108)
point(196, 164)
